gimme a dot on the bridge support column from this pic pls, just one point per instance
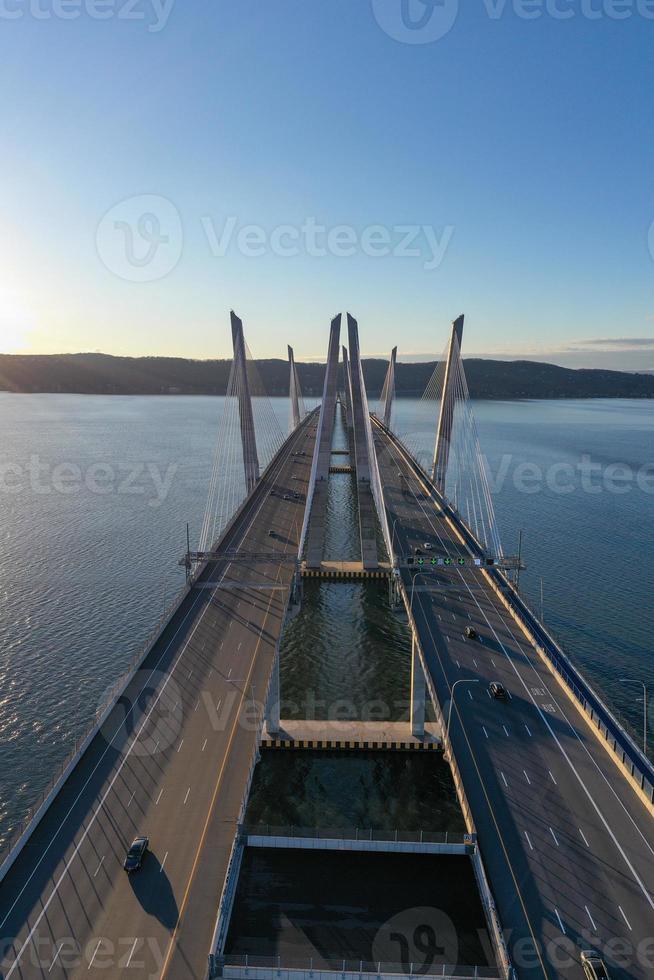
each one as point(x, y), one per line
point(293, 389)
point(446, 416)
point(388, 394)
point(273, 707)
point(347, 385)
point(316, 508)
point(360, 421)
point(418, 692)
point(248, 438)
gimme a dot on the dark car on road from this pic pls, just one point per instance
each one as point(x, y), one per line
point(472, 633)
point(498, 691)
point(136, 853)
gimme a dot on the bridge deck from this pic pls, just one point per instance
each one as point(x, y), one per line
point(172, 762)
point(566, 841)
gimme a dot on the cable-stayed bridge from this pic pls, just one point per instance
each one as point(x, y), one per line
point(558, 800)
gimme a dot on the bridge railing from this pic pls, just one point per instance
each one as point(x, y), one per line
point(634, 763)
point(310, 968)
point(359, 834)
point(11, 847)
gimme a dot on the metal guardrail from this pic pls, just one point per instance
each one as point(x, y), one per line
point(109, 701)
point(315, 967)
point(359, 834)
point(618, 740)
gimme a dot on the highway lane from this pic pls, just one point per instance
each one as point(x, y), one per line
point(567, 843)
point(172, 762)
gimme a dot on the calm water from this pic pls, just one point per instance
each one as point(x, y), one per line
point(95, 494)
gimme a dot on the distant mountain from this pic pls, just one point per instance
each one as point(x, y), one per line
point(107, 375)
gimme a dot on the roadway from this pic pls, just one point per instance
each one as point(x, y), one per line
point(172, 762)
point(567, 844)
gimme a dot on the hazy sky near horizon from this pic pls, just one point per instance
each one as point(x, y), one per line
point(403, 159)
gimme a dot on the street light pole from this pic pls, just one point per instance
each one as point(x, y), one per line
point(462, 680)
point(635, 680)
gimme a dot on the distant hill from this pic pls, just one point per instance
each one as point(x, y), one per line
point(104, 374)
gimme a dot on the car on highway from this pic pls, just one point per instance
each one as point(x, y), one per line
point(593, 965)
point(427, 546)
point(471, 633)
point(498, 691)
point(271, 533)
point(136, 853)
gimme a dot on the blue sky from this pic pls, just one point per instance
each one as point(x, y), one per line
point(158, 163)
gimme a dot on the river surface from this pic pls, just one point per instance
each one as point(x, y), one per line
point(95, 494)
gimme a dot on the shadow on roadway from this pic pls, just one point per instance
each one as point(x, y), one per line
point(151, 886)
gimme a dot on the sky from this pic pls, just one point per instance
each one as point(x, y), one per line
point(406, 160)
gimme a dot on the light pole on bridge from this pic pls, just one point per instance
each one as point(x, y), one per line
point(462, 680)
point(635, 680)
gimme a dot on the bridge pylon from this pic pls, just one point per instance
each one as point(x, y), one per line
point(347, 386)
point(248, 436)
point(388, 391)
point(363, 462)
point(294, 389)
point(446, 415)
point(316, 507)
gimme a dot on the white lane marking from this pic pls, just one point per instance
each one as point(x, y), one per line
point(555, 837)
point(93, 957)
point(561, 926)
point(120, 767)
point(96, 870)
point(229, 674)
point(625, 918)
point(505, 730)
point(180, 745)
point(504, 780)
point(186, 797)
point(592, 921)
point(484, 731)
point(196, 706)
point(158, 798)
point(458, 664)
point(528, 730)
point(220, 701)
point(221, 644)
point(574, 731)
point(163, 862)
point(189, 674)
point(552, 777)
point(527, 777)
point(528, 840)
point(131, 798)
point(489, 694)
point(583, 837)
point(470, 695)
point(475, 662)
point(205, 745)
point(493, 663)
point(131, 953)
point(56, 956)
point(240, 645)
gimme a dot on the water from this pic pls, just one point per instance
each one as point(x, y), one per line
point(89, 555)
